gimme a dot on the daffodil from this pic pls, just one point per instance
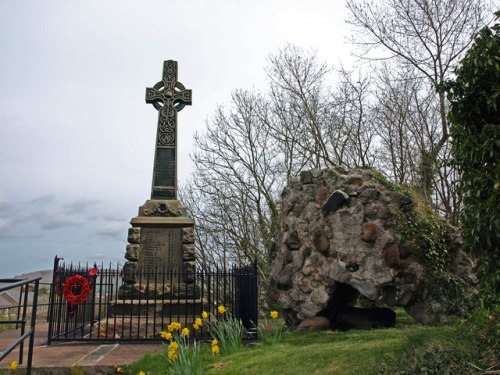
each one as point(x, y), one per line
point(215, 342)
point(118, 369)
point(197, 323)
point(185, 331)
point(166, 335)
point(173, 345)
point(172, 355)
point(204, 315)
point(174, 326)
point(274, 314)
point(221, 309)
point(215, 349)
point(12, 365)
point(141, 373)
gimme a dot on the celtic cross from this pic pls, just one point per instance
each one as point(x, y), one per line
point(169, 97)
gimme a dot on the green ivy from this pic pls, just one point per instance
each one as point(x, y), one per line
point(428, 234)
point(431, 240)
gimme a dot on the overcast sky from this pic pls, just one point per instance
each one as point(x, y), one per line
point(77, 138)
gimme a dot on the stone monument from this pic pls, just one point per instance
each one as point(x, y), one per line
point(162, 235)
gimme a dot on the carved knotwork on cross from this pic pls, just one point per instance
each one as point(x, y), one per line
point(169, 97)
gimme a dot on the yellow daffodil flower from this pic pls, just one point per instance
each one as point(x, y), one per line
point(173, 345)
point(204, 315)
point(172, 355)
point(166, 335)
point(185, 331)
point(215, 342)
point(197, 323)
point(12, 365)
point(221, 309)
point(174, 326)
point(215, 350)
point(274, 314)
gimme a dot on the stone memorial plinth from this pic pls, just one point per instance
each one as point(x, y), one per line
point(160, 254)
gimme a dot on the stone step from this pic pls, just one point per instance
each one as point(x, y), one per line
point(154, 307)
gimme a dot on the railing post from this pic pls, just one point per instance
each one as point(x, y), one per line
point(52, 300)
point(256, 295)
point(33, 323)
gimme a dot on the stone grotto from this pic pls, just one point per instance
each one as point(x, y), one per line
point(344, 234)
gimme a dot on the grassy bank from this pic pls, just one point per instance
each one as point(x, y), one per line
point(410, 348)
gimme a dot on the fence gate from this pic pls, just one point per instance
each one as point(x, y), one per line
point(66, 320)
point(246, 296)
point(93, 303)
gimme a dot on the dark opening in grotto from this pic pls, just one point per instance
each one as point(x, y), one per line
point(344, 316)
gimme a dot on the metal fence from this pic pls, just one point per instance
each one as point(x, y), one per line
point(116, 311)
point(22, 317)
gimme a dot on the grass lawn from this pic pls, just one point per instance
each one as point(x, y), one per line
point(357, 352)
point(327, 352)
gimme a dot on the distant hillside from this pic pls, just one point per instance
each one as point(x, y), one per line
point(46, 276)
point(43, 296)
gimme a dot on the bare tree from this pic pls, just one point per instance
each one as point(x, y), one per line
point(425, 36)
point(297, 96)
point(325, 127)
point(352, 132)
point(407, 123)
point(445, 184)
point(397, 147)
point(237, 176)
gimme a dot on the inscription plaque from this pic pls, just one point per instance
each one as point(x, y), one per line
point(161, 248)
point(165, 167)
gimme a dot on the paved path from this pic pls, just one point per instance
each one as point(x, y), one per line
point(57, 359)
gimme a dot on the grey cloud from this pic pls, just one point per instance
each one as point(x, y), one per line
point(81, 205)
point(44, 199)
point(56, 219)
point(3, 202)
point(105, 256)
point(57, 215)
point(114, 230)
point(5, 226)
point(109, 217)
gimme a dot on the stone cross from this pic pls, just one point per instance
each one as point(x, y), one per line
point(169, 97)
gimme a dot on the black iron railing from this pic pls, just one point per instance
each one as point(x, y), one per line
point(22, 312)
point(117, 311)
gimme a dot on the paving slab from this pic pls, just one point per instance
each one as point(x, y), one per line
point(59, 358)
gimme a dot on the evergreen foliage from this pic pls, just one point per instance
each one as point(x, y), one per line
point(475, 131)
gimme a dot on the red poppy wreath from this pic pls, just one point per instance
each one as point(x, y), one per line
point(76, 289)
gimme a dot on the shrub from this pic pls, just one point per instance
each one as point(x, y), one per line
point(475, 132)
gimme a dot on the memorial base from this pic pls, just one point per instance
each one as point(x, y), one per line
point(152, 307)
point(161, 242)
point(163, 292)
